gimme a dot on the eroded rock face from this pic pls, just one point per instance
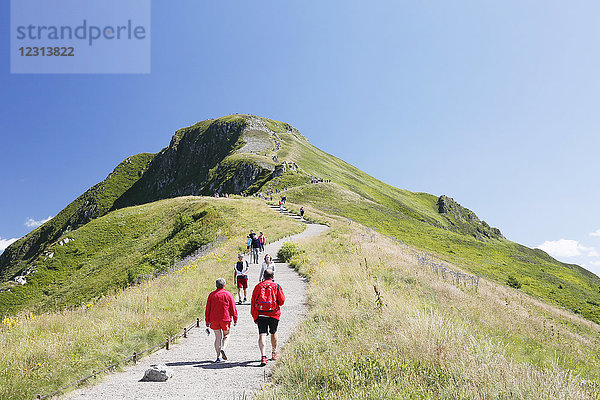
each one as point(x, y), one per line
point(466, 221)
point(157, 373)
point(196, 162)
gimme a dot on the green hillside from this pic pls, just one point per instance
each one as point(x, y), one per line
point(245, 154)
point(94, 203)
point(114, 251)
point(232, 154)
point(456, 236)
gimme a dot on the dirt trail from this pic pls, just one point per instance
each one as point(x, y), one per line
point(195, 374)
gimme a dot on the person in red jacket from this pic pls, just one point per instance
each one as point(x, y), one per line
point(220, 309)
point(267, 297)
point(262, 239)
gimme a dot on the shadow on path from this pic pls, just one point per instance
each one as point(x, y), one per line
point(212, 365)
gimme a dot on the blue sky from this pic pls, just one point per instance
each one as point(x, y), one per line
point(494, 104)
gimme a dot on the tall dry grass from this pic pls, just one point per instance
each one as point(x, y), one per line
point(389, 328)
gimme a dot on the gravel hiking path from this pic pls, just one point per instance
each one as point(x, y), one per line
point(195, 374)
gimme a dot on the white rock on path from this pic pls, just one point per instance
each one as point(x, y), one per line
point(157, 373)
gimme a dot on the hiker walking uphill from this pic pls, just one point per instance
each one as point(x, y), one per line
point(220, 309)
point(255, 247)
point(241, 277)
point(262, 239)
point(267, 297)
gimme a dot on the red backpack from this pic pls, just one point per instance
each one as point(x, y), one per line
point(267, 297)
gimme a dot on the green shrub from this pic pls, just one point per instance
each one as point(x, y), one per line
point(513, 282)
point(181, 222)
point(288, 250)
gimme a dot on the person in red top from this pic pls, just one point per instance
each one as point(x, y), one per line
point(267, 297)
point(220, 309)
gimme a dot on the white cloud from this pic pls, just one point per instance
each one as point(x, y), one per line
point(4, 243)
point(595, 233)
point(567, 248)
point(32, 223)
point(595, 263)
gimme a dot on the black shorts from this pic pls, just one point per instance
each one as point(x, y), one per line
point(267, 322)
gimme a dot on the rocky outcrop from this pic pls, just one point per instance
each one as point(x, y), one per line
point(465, 221)
point(215, 156)
point(184, 167)
point(237, 177)
point(285, 166)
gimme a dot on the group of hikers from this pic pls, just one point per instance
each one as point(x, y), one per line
point(255, 244)
point(319, 180)
point(267, 297)
point(268, 195)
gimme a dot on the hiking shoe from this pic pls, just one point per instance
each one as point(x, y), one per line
point(263, 361)
point(218, 360)
point(274, 356)
point(223, 355)
point(239, 302)
point(245, 300)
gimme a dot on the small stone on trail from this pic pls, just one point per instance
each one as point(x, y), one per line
point(157, 373)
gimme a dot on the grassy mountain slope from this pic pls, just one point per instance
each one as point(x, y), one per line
point(113, 251)
point(457, 235)
point(383, 326)
point(94, 203)
point(417, 337)
point(232, 154)
point(248, 154)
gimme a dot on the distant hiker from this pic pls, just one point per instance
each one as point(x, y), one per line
point(302, 212)
point(267, 264)
point(281, 207)
point(241, 277)
point(262, 239)
point(255, 248)
point(220, 309)
point(267, 297)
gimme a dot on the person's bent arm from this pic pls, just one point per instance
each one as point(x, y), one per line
point(253, 309)
point(207, 311)
point(233, 310)
point(280, 296)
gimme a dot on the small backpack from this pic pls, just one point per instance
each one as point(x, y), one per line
point(240, 266)
point(267, 298)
